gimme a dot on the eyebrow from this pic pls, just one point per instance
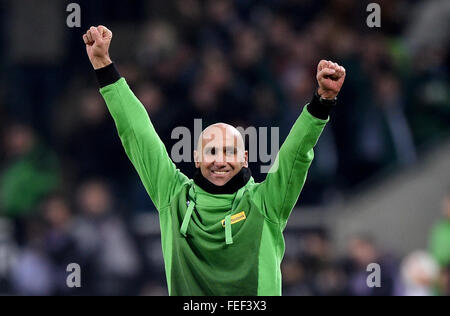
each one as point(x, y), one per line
point(225, 148)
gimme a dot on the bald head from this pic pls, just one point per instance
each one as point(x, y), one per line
point(220, 153)
point(219, 131)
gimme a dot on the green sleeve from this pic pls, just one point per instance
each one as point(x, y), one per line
point(142, 144)
point(279, 192)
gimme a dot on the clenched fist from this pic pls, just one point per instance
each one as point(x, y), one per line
point(330, 77)
point(97, 40)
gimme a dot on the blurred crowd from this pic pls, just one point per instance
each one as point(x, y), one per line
point(69, 194)
point(313, 268)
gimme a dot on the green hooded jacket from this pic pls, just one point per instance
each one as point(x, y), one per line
point(223, 244)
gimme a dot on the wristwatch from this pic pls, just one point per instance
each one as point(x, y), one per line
point(329, 102)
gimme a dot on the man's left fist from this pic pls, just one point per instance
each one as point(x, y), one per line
point(330, 77)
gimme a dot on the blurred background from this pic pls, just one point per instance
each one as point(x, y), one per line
point(378, 189)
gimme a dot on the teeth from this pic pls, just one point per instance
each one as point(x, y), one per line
point(220, 172)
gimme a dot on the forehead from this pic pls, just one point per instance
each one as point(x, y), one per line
point(221, 136)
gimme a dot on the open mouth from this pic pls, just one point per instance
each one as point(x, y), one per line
point(220, 173)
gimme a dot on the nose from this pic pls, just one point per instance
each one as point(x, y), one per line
point(220, 164)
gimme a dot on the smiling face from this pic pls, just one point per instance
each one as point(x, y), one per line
point(220, 153)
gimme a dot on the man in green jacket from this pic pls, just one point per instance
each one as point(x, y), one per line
point(221, 233)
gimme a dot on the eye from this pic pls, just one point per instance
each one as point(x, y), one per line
point(211, 151)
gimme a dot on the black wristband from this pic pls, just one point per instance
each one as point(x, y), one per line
point(107, 75)
point(320, 109)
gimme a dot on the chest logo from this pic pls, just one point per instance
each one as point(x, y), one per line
point(236, 218)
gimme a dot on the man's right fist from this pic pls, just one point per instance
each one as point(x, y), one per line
point(97, 40)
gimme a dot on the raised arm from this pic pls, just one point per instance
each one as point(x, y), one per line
point(279, 192)
point(142, 144)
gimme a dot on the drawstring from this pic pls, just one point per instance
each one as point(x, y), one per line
point(187, 216)
point(191, 205)
point(228, 236)
point(228, 232)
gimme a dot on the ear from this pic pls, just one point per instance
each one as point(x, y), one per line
point(245, 163)
point(196, 159)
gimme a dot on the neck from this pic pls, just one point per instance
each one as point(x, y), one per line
point(232, 186)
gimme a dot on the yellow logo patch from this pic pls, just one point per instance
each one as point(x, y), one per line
point(236, 218)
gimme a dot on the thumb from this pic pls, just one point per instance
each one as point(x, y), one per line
point(325, 72)
point(95, 34)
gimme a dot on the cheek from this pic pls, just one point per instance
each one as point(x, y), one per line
point(207, 159)
point(204, 165)
point(236, 166)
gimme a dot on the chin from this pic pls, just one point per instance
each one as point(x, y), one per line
point(219, 182)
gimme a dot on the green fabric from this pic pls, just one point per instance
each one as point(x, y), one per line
point(269, 261)
point(26, 180)
point(187, 219)
point(440, 242)
point(201, 260)
point(228, 237)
